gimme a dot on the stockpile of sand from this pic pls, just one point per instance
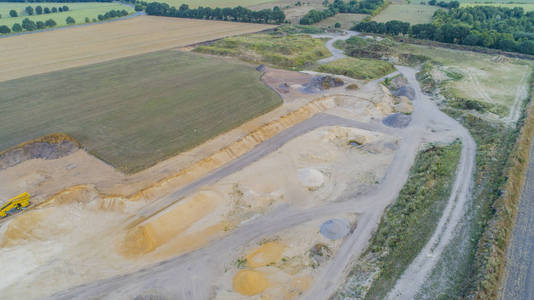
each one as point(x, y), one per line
point(171, 223)
point(404, 106)
point(249, 283)
point(265, 255)
point(310, 178)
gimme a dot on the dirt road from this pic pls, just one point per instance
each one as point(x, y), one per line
point(414, 276)
point(519, 281)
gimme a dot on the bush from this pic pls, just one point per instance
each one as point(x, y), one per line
point(70, 20)
point(13, 13)
point(28, 24)
point(4, 29)
point(337, 25)
point(50, 23)
point(16, 27)
point(87, 20)
point(40, 24)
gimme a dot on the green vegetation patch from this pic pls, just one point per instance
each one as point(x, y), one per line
point(410, 221)
point(78, 11)
point(136, 111)
point(286, 51)
point(407, 224)
point(411, 13)
point(358, 68)
point(216, 3)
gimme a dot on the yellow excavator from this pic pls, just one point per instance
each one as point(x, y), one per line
point(15, 204)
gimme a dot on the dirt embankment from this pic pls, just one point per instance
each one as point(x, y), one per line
point(51, 146)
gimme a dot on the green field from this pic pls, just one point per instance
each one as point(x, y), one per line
point(216, 3)
point(79, 11)
point(358, 68)
point(346, 20)
point(285, 51)
point(525, 6)
point(411, 13)
point(136, 111)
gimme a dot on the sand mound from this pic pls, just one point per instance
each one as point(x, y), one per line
point(23, 227)
point(310, 178)
point(398, 120)
point(266, 254)
point(405, 91)
point(404, 108)
point(249, 283)
point(335, 229)
point(75, 194)
point(171, 223)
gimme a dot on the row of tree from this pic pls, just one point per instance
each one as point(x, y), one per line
point(29, 25)
point(39, 10)
point(514, 34)
point(451, 4)
point(57, 1)
point(237, 14)
point(340, 6)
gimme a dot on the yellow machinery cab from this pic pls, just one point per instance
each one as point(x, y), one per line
point(16, 203)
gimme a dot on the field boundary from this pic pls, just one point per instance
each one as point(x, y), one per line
point(494, 242)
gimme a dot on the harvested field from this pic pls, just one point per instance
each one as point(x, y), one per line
point(346, 20)
point(411, 13)
point(138, 110)
point(78, 11)
point(80, 46)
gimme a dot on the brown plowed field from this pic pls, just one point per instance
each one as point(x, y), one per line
point(43, 52)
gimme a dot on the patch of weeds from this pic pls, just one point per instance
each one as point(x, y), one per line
point(409, 222)
point(352, 86)
point(241, 262)
point(453, 75)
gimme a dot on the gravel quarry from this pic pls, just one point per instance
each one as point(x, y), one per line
point(279, 208)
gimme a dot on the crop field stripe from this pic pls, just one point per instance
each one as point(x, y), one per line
point(79, 46)
point(134, 112)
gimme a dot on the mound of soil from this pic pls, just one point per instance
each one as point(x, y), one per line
point(398, 120)
point(405, 91)
point(335, 229)
point(320, 83)
point(36, 150)
point(310, 178)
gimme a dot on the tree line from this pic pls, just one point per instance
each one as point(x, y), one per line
point(236, 14)
point(56, 1)
point(507, 29)
point(29, 25)
point(39, 10)
point(339, 6)
point(451, 4)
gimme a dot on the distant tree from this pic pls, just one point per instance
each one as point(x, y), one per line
point(70, 20)
point(337, 25)
point(325, 3)
point(50, 23)
point(16, 27)
point(100, 17)
point(65, 8)
point(29, 10)
point(432, 2)
point(87, 20)
point(60, 9)
point(13, 13)
point(54, 9)
point(38, 10)
point(4, 29)
point(94, 20)
point(28, 24)
point(40, 24)
point(46, 10)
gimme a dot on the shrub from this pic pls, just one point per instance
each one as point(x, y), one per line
point(50, 23)
point(16, 27)
point(4, 29)
point(70, 20)
point(13, 13)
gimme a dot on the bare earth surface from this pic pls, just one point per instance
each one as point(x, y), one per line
point(72, 47)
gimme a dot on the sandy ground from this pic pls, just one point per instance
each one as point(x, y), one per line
point(79, 46)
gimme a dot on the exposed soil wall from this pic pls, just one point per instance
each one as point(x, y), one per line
point(51, 146)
